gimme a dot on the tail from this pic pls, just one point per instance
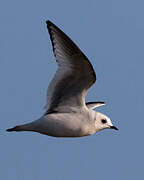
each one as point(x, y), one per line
point(16, 128)
point(23, 127)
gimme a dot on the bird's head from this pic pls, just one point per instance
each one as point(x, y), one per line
point(103, 122)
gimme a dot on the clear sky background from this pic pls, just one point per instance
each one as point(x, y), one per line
point(111, 34)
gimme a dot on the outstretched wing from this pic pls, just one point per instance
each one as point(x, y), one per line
point(74, 76)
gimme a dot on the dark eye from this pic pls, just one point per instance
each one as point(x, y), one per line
point(103, 121)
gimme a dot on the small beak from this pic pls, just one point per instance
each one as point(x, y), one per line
point(113, 127)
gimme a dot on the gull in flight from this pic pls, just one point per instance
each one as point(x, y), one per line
point(66, 112)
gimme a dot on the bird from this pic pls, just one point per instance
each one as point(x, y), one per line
point(67, 114)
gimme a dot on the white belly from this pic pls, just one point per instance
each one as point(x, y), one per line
point(63, 125)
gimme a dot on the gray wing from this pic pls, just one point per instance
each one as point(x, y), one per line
point(74, 76)
point(93, 105)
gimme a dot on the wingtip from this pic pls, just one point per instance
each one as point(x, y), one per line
point(49, 23)
point(103, 103)
point(98, 102)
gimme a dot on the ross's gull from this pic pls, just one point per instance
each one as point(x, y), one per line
point(67, 114)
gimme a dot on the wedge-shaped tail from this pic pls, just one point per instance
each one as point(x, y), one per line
point(16, 128)
point(24, 127)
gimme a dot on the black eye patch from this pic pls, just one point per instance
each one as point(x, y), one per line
point(104, 121)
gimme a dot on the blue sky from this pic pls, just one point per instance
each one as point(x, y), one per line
point(111, 34)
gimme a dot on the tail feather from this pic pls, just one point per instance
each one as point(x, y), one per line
point(16, 128)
